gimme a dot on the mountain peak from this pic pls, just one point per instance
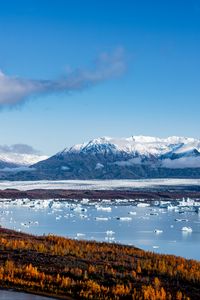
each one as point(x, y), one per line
point(121, 158)
point(142, 145)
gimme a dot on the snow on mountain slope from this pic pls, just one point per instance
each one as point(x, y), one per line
point(138, 145)
point(171, 152)
point(21, 159)
point(20, 155)
point(135, 157)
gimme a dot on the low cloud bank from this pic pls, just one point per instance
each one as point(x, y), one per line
point(182, 163)
point(16, 169)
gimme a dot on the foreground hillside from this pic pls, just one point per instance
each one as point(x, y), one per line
point(125, 158)
point(72, 269)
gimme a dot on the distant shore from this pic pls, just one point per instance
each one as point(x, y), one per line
point(151, 194)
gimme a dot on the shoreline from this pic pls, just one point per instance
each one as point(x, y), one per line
point(66, 194)
point(39, 293)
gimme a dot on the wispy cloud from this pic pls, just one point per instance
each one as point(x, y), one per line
point(14, 90)
point(19, 149)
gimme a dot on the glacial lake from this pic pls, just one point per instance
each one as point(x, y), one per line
point(11, 295)
point(123, 223)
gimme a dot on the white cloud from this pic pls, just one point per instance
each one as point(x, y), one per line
point(19, 149)
point(129, 162)
point(17, 169)
point(14, 90)
point(181, 163)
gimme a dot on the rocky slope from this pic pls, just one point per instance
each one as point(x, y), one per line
point(108, 158)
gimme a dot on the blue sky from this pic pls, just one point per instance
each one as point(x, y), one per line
point(157, 93)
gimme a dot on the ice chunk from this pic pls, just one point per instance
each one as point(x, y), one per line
point(101, 208)
point(186, 229)
point(110, 232)
point(158, 231)
point(101, 219)
point(124, 218)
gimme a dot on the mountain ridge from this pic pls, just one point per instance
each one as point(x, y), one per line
point(135, 143)
point(120, 158)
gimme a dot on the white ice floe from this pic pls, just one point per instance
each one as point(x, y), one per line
point(158, 231)
point(101, 208)
point(121, 201)
point(85, 201)
point(109, 238)
point(79, 209)
point(80, 234)
point(124, 218)
point(172, 207)
point(106, 201)
point(186, 229)
point(56, 204)
point(110, 232)
point(187, 202)
point(24, 225)
point(101, 219)
point(133, 213)
point(143, 204)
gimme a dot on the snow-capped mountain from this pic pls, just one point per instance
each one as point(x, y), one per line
point(132, 157)
point(137, 146)
point(18, 156)
point(21, 159)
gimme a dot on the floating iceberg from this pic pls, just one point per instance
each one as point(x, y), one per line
point(101, 219)
point(79, 209)
point(124, 218)
point(133, 213)
point(80, 234)
point(143, 204)
point(85, 201)
point(186, 229)
point(110, 232)
point(101, 208)
point(109, 238)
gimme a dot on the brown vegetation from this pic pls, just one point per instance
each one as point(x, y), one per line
point(89, 270)
point(172, 193)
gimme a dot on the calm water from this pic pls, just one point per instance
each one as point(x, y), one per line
point(136, 227)
point(10, 295)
